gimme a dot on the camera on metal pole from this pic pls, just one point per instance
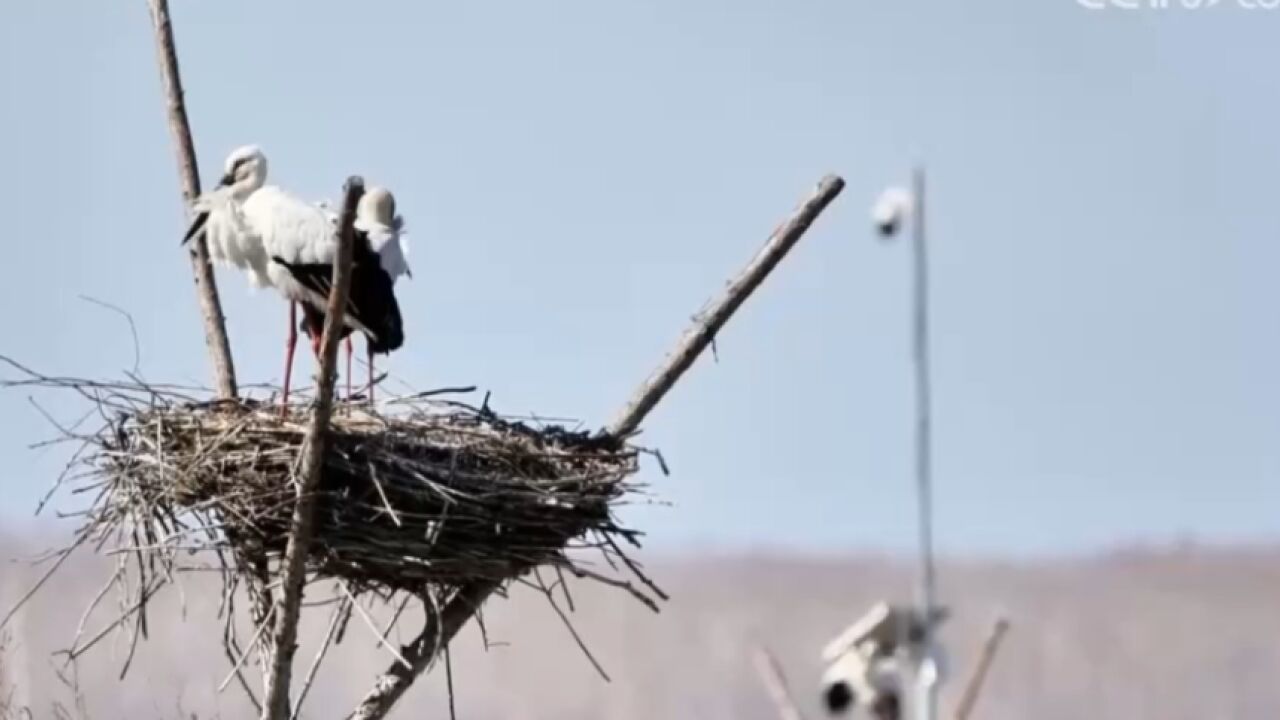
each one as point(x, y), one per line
point(893, 647)
point(870, 664)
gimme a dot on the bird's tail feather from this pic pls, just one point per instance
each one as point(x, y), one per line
point(197, 224)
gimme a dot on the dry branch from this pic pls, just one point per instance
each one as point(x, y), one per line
point(215, 326)
point(391, 685)
point(703, 331)
point(974, 687)
point(276, 704)
point(775, 683)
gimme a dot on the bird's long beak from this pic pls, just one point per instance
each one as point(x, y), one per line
point(196, 226)
point(227, 180)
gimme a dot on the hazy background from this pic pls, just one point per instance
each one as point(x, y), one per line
point(1174, 635)
point(578, 177)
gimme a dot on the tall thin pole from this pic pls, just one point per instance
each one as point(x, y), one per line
point(927, 686)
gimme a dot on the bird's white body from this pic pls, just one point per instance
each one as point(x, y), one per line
point(278, 224)
point(387, 241)
point(231, 244)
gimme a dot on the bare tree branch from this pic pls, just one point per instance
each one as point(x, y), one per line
point(440, 629)
point(343, 607)
point(776, 684)
point(703, 332)
point(215, 326)
point(276, 704)
point(974, 687)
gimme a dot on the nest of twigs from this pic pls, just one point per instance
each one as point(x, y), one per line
point(423, 495)
point(430, 493)
point(436, 493)
point(423, 498)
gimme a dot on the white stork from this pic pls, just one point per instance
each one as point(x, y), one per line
point(282, 241)
point(378, 258)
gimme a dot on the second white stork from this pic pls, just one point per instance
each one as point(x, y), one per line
point(378, 260)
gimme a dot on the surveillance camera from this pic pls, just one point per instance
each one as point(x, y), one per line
point(860, 678)
point(891, 210)
point(838, 697)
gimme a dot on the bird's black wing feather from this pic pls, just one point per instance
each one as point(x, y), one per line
point(370, 301)
point(197, 224)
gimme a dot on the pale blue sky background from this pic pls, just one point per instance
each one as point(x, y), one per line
point(579, 176)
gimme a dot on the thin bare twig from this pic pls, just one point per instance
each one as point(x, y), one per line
point(775, 683)
point(62, 557)
point(373, 627)
point(253, 642)
point(133, 329)
point(338, 612)
point(448, 681)
point(568, 625)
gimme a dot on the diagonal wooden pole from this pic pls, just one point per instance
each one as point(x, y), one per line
point(276, 704)
point(436, 634)
point(215, 326)
point(988, 655)
point(775, 683)
point(704, 329)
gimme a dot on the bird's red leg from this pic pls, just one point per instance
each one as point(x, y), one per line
point(290, 343)
point(348, 367)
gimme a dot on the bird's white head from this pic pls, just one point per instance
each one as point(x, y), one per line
point(245, 170)
point(891, 210)
point(377, 205)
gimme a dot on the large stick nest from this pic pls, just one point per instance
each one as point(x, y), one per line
point(437, 493)
point(422, 495)
point(434, 493)
point(419, 499)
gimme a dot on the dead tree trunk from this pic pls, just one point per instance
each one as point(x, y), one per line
point(215, 326)
point(276, 704)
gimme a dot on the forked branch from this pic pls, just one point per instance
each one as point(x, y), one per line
point(439, 631)
point(704, 329)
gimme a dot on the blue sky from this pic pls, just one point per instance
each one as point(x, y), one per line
point(579, 177)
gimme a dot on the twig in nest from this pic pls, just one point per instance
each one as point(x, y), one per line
point(582, 645)
point(133, 329)
point(253, 642)
point(448, 679)
point(373, 628)
point(338, 612)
